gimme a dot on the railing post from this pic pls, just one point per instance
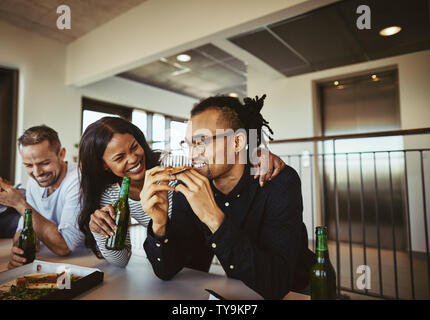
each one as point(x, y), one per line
point(363, 223)
point(312, 199)
point(337, 220)
point(393, 225)
point(411, 263)
point(377, 224)
point(349, 221)
point(323, 215)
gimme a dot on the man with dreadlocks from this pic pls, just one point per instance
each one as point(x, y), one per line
point(257, 233)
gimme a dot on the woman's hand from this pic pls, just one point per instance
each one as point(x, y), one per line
point(154, 198)
point(266, 165)
point(102, 221)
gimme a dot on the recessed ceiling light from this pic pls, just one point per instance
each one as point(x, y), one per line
point(183, 58)
point(389, 31)
point(233, 94)
point(336, 83)
point(375, 78)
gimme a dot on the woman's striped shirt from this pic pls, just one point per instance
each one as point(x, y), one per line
point(110, 196)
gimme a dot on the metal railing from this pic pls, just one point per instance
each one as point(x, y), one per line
point(365, 199)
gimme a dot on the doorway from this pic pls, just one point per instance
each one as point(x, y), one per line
point(8, 122)
point(364, 174)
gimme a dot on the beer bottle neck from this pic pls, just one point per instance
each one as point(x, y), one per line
point(28, 220)
point(125, 186)
point(322, 248)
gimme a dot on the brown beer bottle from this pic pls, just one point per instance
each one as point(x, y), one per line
point(27, 238)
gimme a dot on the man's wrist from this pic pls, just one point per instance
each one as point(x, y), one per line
point(215, 220)
point(21, 206)
point(159, 230)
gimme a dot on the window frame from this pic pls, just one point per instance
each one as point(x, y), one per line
point(126, 112)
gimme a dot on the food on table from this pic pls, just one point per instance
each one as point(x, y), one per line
point(32, 287)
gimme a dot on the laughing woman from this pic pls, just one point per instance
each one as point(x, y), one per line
point(110, 149)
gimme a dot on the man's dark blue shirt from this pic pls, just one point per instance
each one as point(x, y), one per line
point(261, 241)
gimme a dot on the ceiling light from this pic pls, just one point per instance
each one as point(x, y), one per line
point(179, 72)
point(389, 31)
point(375, 78)
point(183, 58)
point(233, 94)
point(336, 83)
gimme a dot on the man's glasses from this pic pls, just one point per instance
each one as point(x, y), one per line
point(199, 143)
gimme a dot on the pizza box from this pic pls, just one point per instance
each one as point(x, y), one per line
point(91, 277)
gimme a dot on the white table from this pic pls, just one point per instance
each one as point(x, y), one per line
point(138, 282)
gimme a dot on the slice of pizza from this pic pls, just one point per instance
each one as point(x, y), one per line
point(5, 182)
point(176, 170)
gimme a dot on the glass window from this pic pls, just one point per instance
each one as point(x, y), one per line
point(161, 131)
point(89, 116)
point(158, 132)
point(139, 119)
point(177, 133)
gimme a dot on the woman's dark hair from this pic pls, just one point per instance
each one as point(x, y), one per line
point(94, 178)
point(246, 115)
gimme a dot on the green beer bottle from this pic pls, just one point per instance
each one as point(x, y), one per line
point(122, 211)
point(323, 276)
point(27, 238)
